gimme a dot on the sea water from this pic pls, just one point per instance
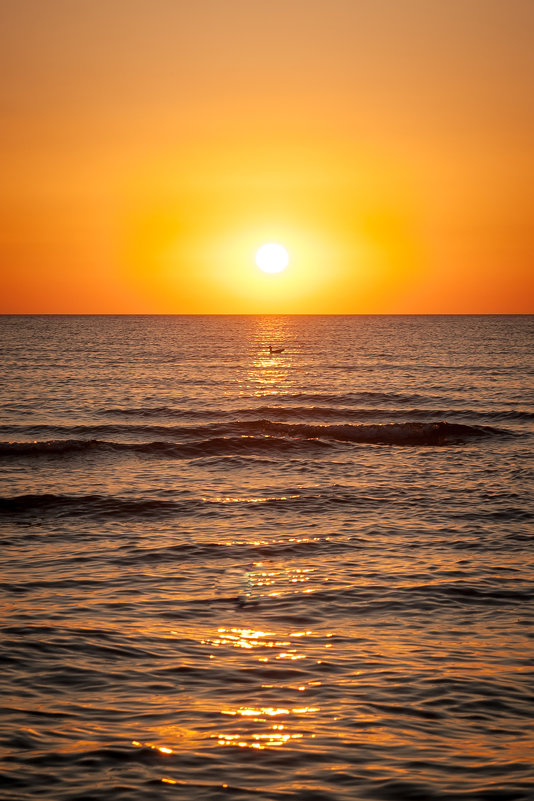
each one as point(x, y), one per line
point(229, 574)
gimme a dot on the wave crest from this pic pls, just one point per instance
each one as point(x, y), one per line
point(262, 436)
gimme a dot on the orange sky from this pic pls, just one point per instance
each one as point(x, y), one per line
point(150, 146)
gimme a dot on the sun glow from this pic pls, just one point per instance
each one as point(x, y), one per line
point(226, 263)
point(272, 258)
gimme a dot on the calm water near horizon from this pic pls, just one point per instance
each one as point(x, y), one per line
point(230, 574)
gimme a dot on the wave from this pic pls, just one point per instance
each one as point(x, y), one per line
point(341, 399)
point(100, 505)
point(263, 436)
point(216, 446)
point(436, 433)
point(26, 507)
point(111, 505)
point(230, 422)
point(141, 507)
point(366, 413)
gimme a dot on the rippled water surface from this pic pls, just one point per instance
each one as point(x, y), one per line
point(234, 574)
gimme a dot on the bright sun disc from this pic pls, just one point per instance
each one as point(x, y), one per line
point(272, 258)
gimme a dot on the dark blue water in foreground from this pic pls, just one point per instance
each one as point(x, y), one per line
point(232, 575)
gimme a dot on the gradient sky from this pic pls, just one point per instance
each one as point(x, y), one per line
point(150, 146)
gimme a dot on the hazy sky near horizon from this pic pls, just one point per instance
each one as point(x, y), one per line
point(150, 147)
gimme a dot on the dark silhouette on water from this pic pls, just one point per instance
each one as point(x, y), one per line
point(275, 350)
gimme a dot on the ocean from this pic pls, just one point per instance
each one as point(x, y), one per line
point(235, 574)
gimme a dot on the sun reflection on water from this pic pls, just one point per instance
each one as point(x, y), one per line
point(163, 749)
point(269, 373)
point(272, 718)
point(268, 725)
point(261, 499)
point(250, 639)
point(265, 736)
point(266, 580)
point(275, 541)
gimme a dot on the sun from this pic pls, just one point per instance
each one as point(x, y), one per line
point(272, 258)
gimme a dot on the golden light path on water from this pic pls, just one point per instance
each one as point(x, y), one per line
point(258, 727)
point(261, 727)
point(272, 725)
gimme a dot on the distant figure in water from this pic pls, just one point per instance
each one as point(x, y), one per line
point(275, 350)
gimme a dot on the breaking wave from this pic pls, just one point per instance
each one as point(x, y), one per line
point(262, 437)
